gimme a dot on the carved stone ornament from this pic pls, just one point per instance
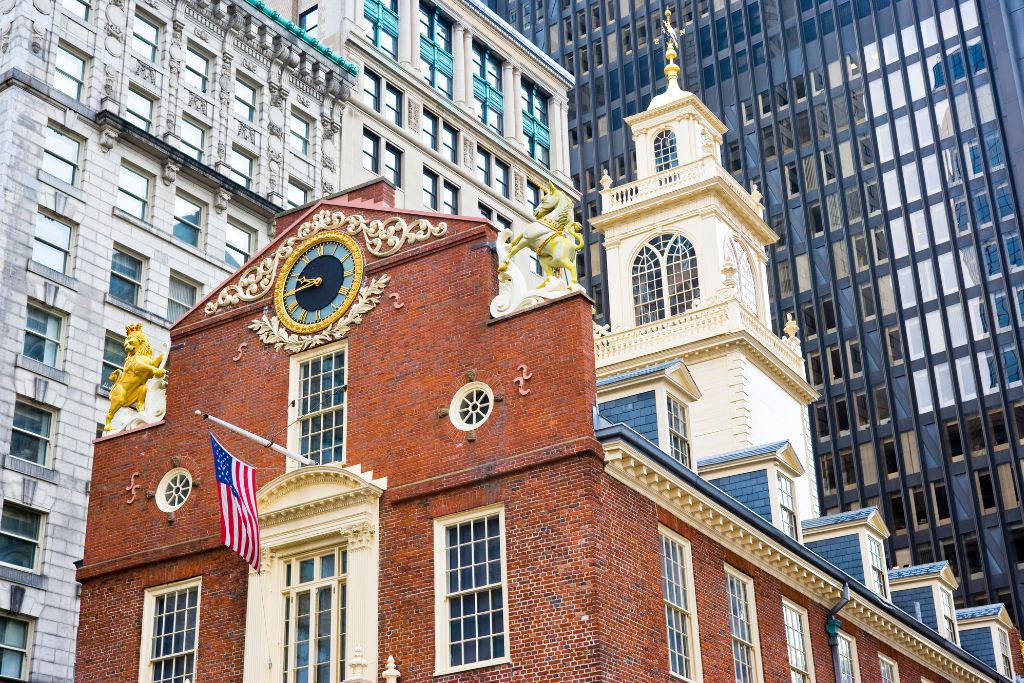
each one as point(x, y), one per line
point(145, 72)
point(328, 162)
point(246, 133)
point(108, 138)
point(272, 332)
point(221, 201)
point(382, 237)
point(170, 172)
point(275, 130)
point(328, 186)
point(197, 102)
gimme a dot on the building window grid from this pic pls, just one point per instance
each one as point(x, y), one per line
point(133, 193)
point(309, 20)
point(666, 151)
point(741, 629)
point(678, 439)
point(678, 613)
point(172, 648)
point(847, 660)
point(1005, 660)
point(21, 531)
point(436, 61)
point(242, 166)
point(188, 220)
point(42, 335)
point(139, 109)
point(125, 277)
point(69, 73)
point(321, 407)
point(535, 122)
point(52, 244)
point(664, 278)
point(193, 139)
point(948, 615)
point(60, 156)
point(876, 558)
point(244, 103)
point(113, 359)
point(14, 643)
point(787, 505)
point(796, 644)
point(315, 616)
point(197, 70)
point(181, 297)
point(145, 38)
point(31, 433)
point(380, 20)
point(888, 670)
point(298, 133)
point(487, 88)
point(393, 99)
point(237, 245)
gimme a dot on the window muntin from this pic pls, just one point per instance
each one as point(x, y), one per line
point(436, 62)
point(502, 173)
point(242, 168)
point(890, 674)
point(298, 133)
point(393, 99)
point(449, 198)
point(393, 164)
point(244, 104)
point(188, 220)
point(60, 156)
point(21, 530)
point(181, 297)
point(797, 644)
point(309, 20)
point(430, 125)
point(1005, 660)
point(483, 166)
point(197, 70)
point(321, 407)
point(878, 571)
point(741, 628)
point(297, 195)
point(948, 615)
point(666, 152)
point(52, 244)
point(535, 122)
point(676, 586)
point(113, 358)
point(174, 489)
point(133, 193)
point(371, 151)
point(678, 434)
point(380, 20)
point(193, 139)
point(69, 73)
point(125, 277)
point(450, 143)
point(745, 281)
point(487, 88)
point(31, 433)
point(787, 505)
point(237, 245)
point(170, 653)
point(430, 189)
point(80, 9)
point(848, 670)
point(474, 599)
point(372, 85)
point(315, 625)
point(14, 642)
point(664, 278)
point(145, 38)
point(471, 405)
point(138, 109)
point(42, 335)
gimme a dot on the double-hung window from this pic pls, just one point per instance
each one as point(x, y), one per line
point(450, 198)
point(393, 99)
point(876, 559)
point(472, 625)
point(52, 245)
point(113, 358)
point(436, 62)
point(535, 123)
point(297, 194)
point(145, 38)
point(1005, 660)
point(393, 164)
point(181, 296)
point(193, 139)
point(69, 73)
point(237, 245)
point(170, 632)
point(133, 193)
point(742, 627)
point(197, 70)
point(245, 100)
point(487, 94)
point(501, 177)
point(242, 167)
point(139, 109)
point(14, 642)
point(678, 441)
point(676, 589)
point(948, 615)
point(431, 183)
point(125, 277)
point(188, 220)
point(298, 133)
point(797, 644)
point(309, 20)
point(380, 20)
point(450, 143)
point(21, 531)
point(315, 595)
point(371, 151)
point(42, 335)
point(321, 407)
point(849, 671)
point(31, 433)
point(787, 506)
point(890, 672)
point(372, 84)
point(60, 156)
point(431, 125)
point(484, 162)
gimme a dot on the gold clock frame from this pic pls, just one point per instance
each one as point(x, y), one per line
point(358, 263)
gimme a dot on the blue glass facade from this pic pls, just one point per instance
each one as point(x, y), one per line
point(884, 135)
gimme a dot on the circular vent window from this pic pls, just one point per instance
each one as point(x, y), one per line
point(471, 406)
point(174, 489)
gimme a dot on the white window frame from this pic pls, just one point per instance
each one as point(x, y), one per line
point(787, 513)
point(47, 244)
point(1002, 638)
point(755, 637)
point(884, 661)
point(854, 663)
point(188, 148)
point(79, 79)
point(441, 665)
point(245, 109)
point(30, 625)
point(298, 140)
point(50, 437)
point(296, 187)
point(294, 396)
point(38, 559)
point(137, 117)
point(236, 174)
point(339, 602)
point(230, 246)
point(947, 616)
point(805, 635)
point(671, 400)
point(878, 576)
point(203, 77)
point(148, 612)
point(153, 47)
point(146, 201)
point(48, 152)
point(697, 672)
point(175, 276)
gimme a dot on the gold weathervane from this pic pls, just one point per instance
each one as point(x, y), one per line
point(672, 48)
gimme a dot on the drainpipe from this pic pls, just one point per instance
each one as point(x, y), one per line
point(832, 625)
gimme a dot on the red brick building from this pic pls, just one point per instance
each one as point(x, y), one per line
point(470, 517)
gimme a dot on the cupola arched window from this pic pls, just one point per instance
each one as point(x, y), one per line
point(666, 152)
point(664, 278)
point(745, 281)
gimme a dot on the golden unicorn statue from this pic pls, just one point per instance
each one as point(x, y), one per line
point(140, 365)
point(554, 237)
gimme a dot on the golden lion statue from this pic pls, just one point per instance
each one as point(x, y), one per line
point(554, 237)
point(140, 365)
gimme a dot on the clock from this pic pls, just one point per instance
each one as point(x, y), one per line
point(318, 282)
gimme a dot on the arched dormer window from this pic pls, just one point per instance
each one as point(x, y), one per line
point(666, 152)
point(664, 278)
point(745, 282)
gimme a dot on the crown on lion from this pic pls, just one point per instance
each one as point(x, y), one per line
point(129, 329)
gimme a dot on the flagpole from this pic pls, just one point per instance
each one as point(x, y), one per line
point(266, 443)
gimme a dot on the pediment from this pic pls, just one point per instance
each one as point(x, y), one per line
point(306, 489)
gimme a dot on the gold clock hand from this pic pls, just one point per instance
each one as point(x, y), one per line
point(315, 282)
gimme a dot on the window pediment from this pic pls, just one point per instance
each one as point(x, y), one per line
point(312, 491)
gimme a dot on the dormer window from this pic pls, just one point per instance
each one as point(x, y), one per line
point(1005, 661)
point(678, 439)
point(664, 278)
point(948, 615)
point(787, 508)
point(878, 571)
point(666, 151)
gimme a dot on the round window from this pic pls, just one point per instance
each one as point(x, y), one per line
point(174, 489)
point(471, 406)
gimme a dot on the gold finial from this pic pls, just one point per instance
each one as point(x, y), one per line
point(672, 46)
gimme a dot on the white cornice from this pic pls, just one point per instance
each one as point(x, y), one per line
point(699, 510)
point(785, 458)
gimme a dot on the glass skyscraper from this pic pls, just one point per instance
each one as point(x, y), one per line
point(884, 136)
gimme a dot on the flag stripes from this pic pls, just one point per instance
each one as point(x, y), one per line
point(239, 518)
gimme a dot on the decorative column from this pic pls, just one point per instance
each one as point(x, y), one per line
point(459, 57)
point(509, 105)
point(563, 115)
point(558, 127)
point(408, 36)
point(517, 102)
point(363, 559)
point(467, 66)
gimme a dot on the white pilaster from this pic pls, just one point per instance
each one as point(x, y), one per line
point(407, 10)
point(467, 66)
point(508, 95)
point(517, 104)
point(459, 57)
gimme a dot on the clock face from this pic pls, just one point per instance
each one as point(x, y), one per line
point(318, 282)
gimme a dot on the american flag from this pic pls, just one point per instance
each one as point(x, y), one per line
point(239, 519)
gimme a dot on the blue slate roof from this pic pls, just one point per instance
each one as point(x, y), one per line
point(980, 611)
point(851, 516)
point(642, 372)
point(917, 570)
point(741, 454)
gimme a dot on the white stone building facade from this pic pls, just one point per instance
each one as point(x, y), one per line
point(145, 148)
